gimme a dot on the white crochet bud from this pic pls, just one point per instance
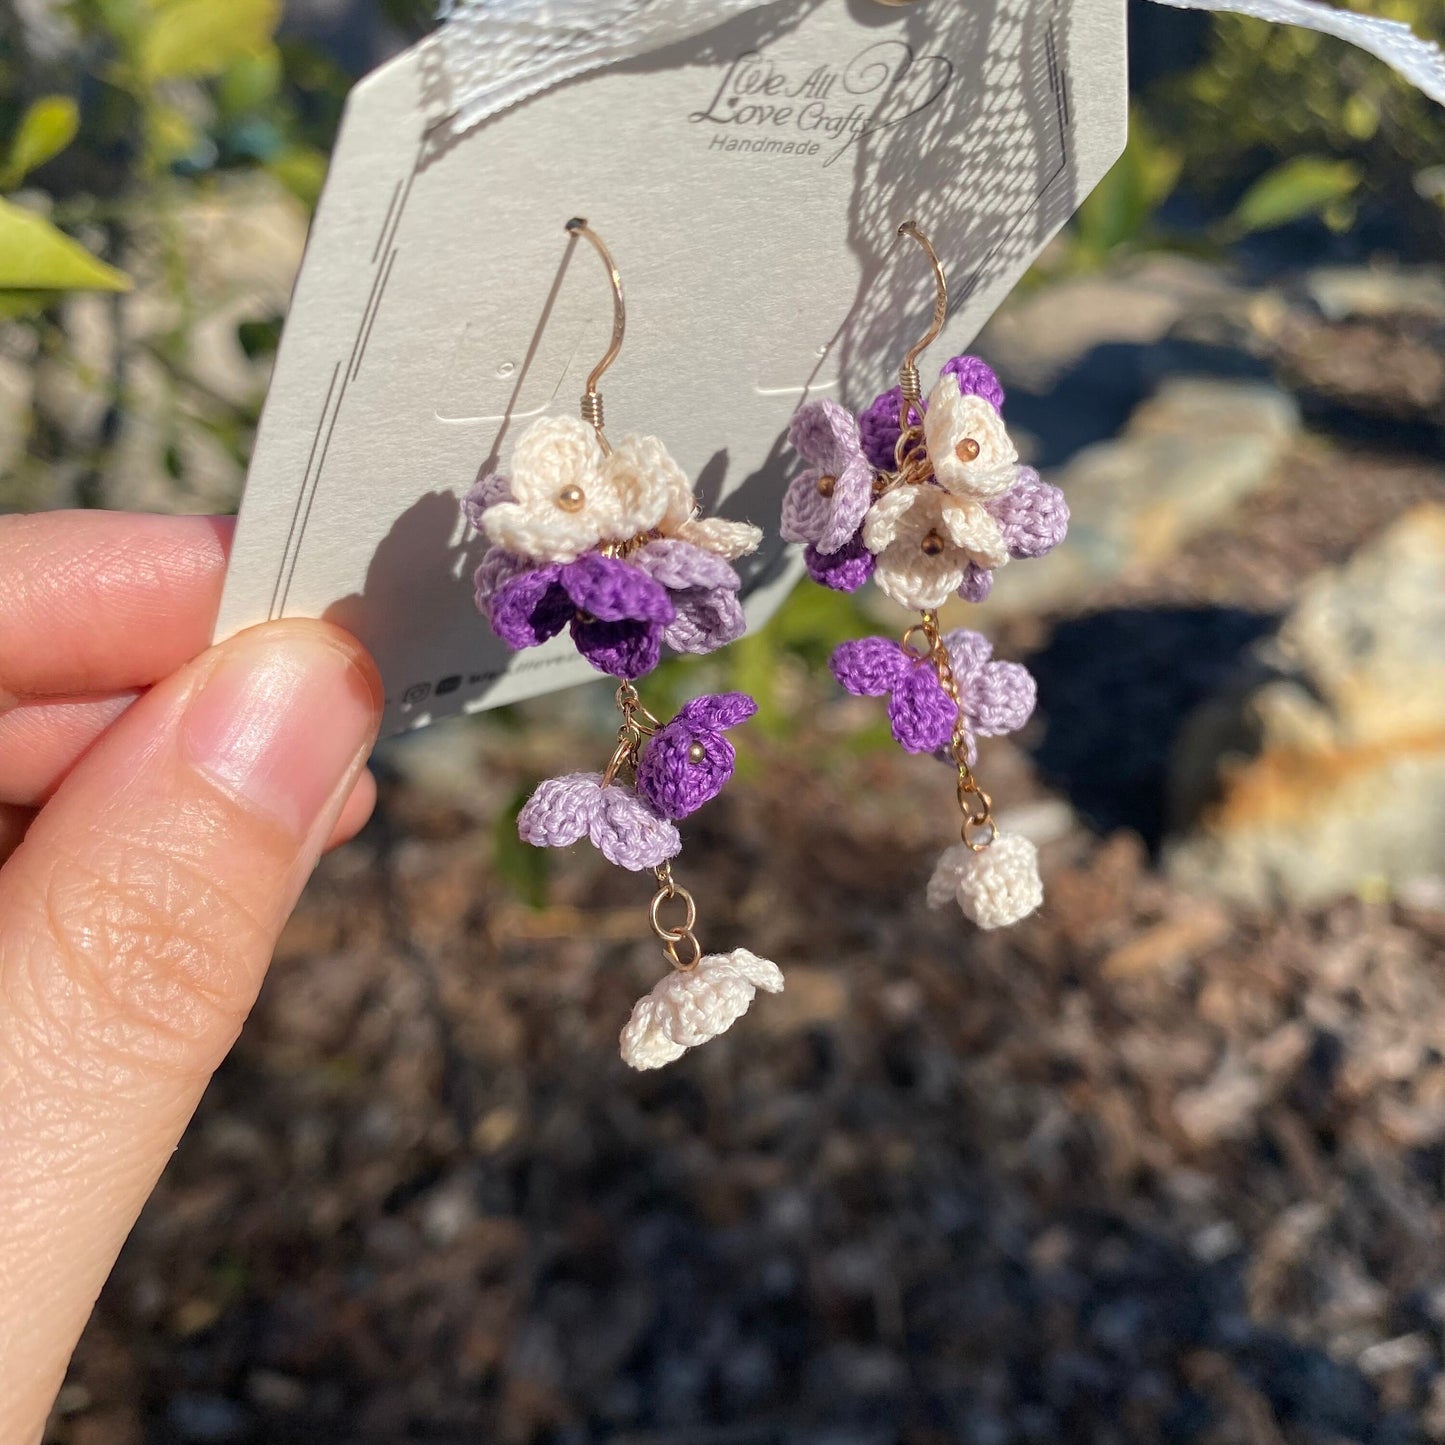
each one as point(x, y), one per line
point(691, 1006)
point(995, 887)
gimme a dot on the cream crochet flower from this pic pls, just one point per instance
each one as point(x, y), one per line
point(568, 496)
point(691, 1006)
point(994, 888)
point(971, 452)
point(924, 540)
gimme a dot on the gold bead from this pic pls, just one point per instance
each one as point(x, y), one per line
point(572, 499)
point(932, 545)
point(967, 450)
point(826, 485)
point(696, 753)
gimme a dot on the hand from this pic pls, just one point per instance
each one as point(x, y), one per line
point(161, 806)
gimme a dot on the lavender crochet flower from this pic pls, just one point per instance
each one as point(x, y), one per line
point(703, 588)
point(1034, 519)
point(616, 611)
point(485, 492)
point(689, 761)
point(845, 570)
point(617, 822)
point(826, 504)
point(997, 697)
point(878, 422)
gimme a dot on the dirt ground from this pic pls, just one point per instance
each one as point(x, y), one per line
point(1141, 1169)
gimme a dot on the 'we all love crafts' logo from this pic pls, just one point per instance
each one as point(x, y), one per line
point(763, 106)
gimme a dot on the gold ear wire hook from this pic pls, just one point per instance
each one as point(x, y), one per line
point(908, 378)
point(592, 398)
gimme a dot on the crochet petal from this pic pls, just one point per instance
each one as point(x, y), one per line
point(550, 535)
point(845, 570)
point(1001, 698)
point(707, 619)
point(496, 569)
point(727, 539)
point(977, 583)
point(553, 453)
point(825, 435)
point(920, 713)
point(678, 564)
point(971, 526)
point(485, 492)
point(805, 509)
point(717, 710)
point(852, 496)
point(612, 590)
point(625, 649)
point(994, 887)
point(968, 652)
point(531, 608)
point(628, 833)
point(869, 666)
point(1033, 516)
point(885, 516)
point(561, 810)
point(648, 486)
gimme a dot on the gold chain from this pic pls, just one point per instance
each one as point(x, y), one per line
point(669, 888)
point(639, 723)
point(979, 829)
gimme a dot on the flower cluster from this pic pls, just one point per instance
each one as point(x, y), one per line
point(995, 697)
point(928, 517)
point(608, 544)
point(922, 541)
point(686, 763)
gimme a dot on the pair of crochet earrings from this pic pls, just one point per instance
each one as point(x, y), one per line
point(924, 496)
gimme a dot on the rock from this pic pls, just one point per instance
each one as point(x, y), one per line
point(1328, 776)
point(1188, 456)
point(1036, 338)
point(1343, 293)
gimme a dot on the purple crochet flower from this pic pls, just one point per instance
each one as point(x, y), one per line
point(826, 504)
point(878, 422)
point(616, 821)
point(845, 570)
point(616, 611)
point(704, 591)
point(688, 762)
point(997, 697)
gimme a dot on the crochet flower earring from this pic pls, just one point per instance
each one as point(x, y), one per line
point(928, 499)
point(606, 541)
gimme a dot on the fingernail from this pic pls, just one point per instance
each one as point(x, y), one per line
point(280, 724)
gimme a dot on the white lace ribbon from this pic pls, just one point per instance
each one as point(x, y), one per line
point(496, 53)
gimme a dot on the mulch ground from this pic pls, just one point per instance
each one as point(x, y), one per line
point(1142, 1169)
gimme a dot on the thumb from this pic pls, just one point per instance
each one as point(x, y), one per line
point(137, 919)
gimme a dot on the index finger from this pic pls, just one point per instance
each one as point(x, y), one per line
point(97, 602)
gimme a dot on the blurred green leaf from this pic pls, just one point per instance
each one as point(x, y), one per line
point(302, 171)
point(46, 128)
point(1304, 186)
point(1119, 209)
point(191, 38)
point(519, 864)
point(14, 304)
point(34, 255)
point(250, 83)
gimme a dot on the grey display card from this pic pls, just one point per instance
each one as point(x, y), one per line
point(749, 183)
